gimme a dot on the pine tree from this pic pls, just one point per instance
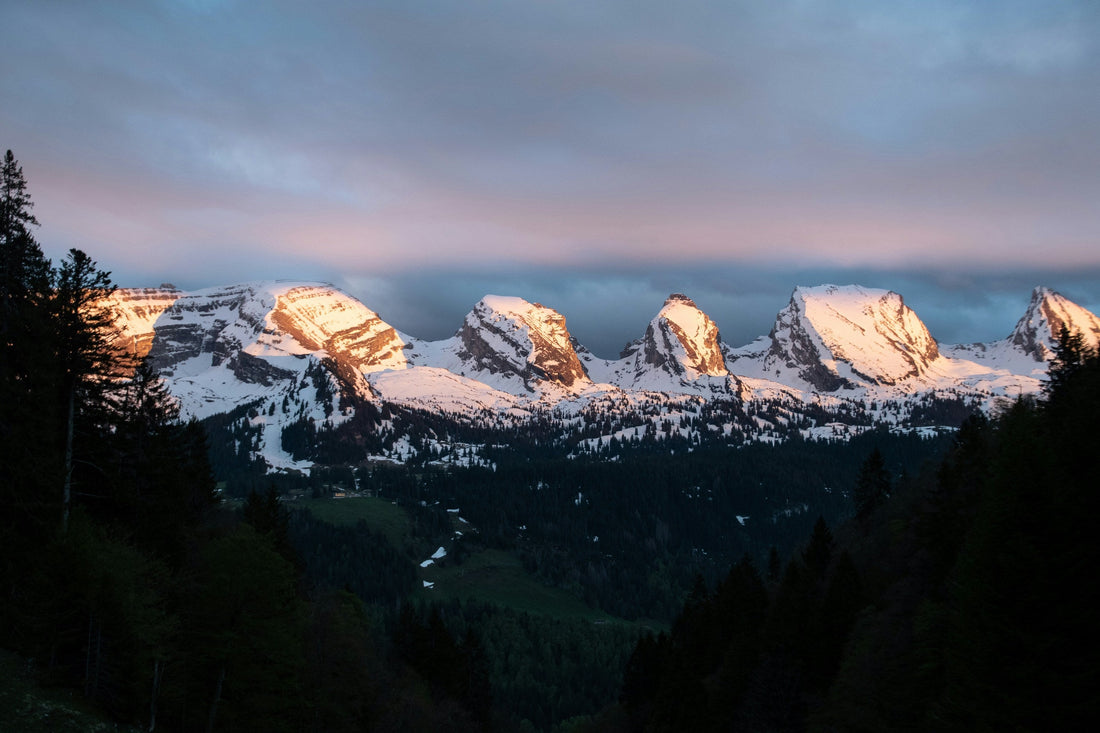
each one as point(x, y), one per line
point(1070, 354)
point(15, 204)
point(270, 518)
point(243, 634)
point(872, 485)
point(85, 359)
point(775, 566)
point(819, 552)
point(28, 416)
point(25, 273)
point(155, 473)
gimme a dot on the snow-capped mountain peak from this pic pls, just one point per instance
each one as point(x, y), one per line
point(255, 334)
point(681, 341)
point(319, 317)
point(287, 349)
point(514, 338)
point(833, 336)
point(1036, 334)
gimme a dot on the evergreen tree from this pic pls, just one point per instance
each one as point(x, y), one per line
point(819, 552)
point(270, 518)
point(1071, 353)
point(201, 490)
point(15, 202)
point(85, 359)
point(346, 674)
point(154, 471)
point(872, 485)
point(473, 687)
point(243, 633)
point(775, 566)
point(25, 273)
point(28, 478)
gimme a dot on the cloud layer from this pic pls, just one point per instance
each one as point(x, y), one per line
point(587, 149)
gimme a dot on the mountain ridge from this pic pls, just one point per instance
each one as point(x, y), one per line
point(833, 350)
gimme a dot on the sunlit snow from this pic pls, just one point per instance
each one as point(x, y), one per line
point(837, 349)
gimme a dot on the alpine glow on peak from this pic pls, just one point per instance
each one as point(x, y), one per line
point(833, 347)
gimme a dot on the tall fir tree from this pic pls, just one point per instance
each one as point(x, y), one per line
point(85, 359)
point(872, 485)
point(1070, 355)
point(28, 459)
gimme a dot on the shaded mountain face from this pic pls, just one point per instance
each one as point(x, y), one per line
point(512, 337)
point(1036, 334)
point(680, 341)
point(836, 336)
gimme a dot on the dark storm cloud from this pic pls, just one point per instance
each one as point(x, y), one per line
point(607, 306)
point(590, 155)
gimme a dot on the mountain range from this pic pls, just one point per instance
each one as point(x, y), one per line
point(838, 359)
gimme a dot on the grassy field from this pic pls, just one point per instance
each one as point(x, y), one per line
point(493, 576)
point(380, 515)
point(498, 577)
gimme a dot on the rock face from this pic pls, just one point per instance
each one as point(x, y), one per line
point(514, 338)
point(1036, 334)
point(287, 350)
point(136, 310)
point(833, 336)
point(680, 341)
point(322, 318)
point(214, 322)
point(241, 323)
point(263, 342)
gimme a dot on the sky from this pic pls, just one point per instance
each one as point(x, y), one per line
point(591, 156)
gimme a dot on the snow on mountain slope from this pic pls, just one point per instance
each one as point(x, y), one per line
point(222, 347)
point(832, 336)
point(828, 337)
point(438, 389)
point(1030, 346)
point(856, 355)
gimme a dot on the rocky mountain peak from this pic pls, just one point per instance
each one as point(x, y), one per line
point(683, 340)
point(1036, 334)
point(255, 330)
point(680, 298)
point(835, 336)
point(319, 317)
point(680, 342)
point(510, 336)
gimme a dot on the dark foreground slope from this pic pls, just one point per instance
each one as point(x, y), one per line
point(961, 603)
